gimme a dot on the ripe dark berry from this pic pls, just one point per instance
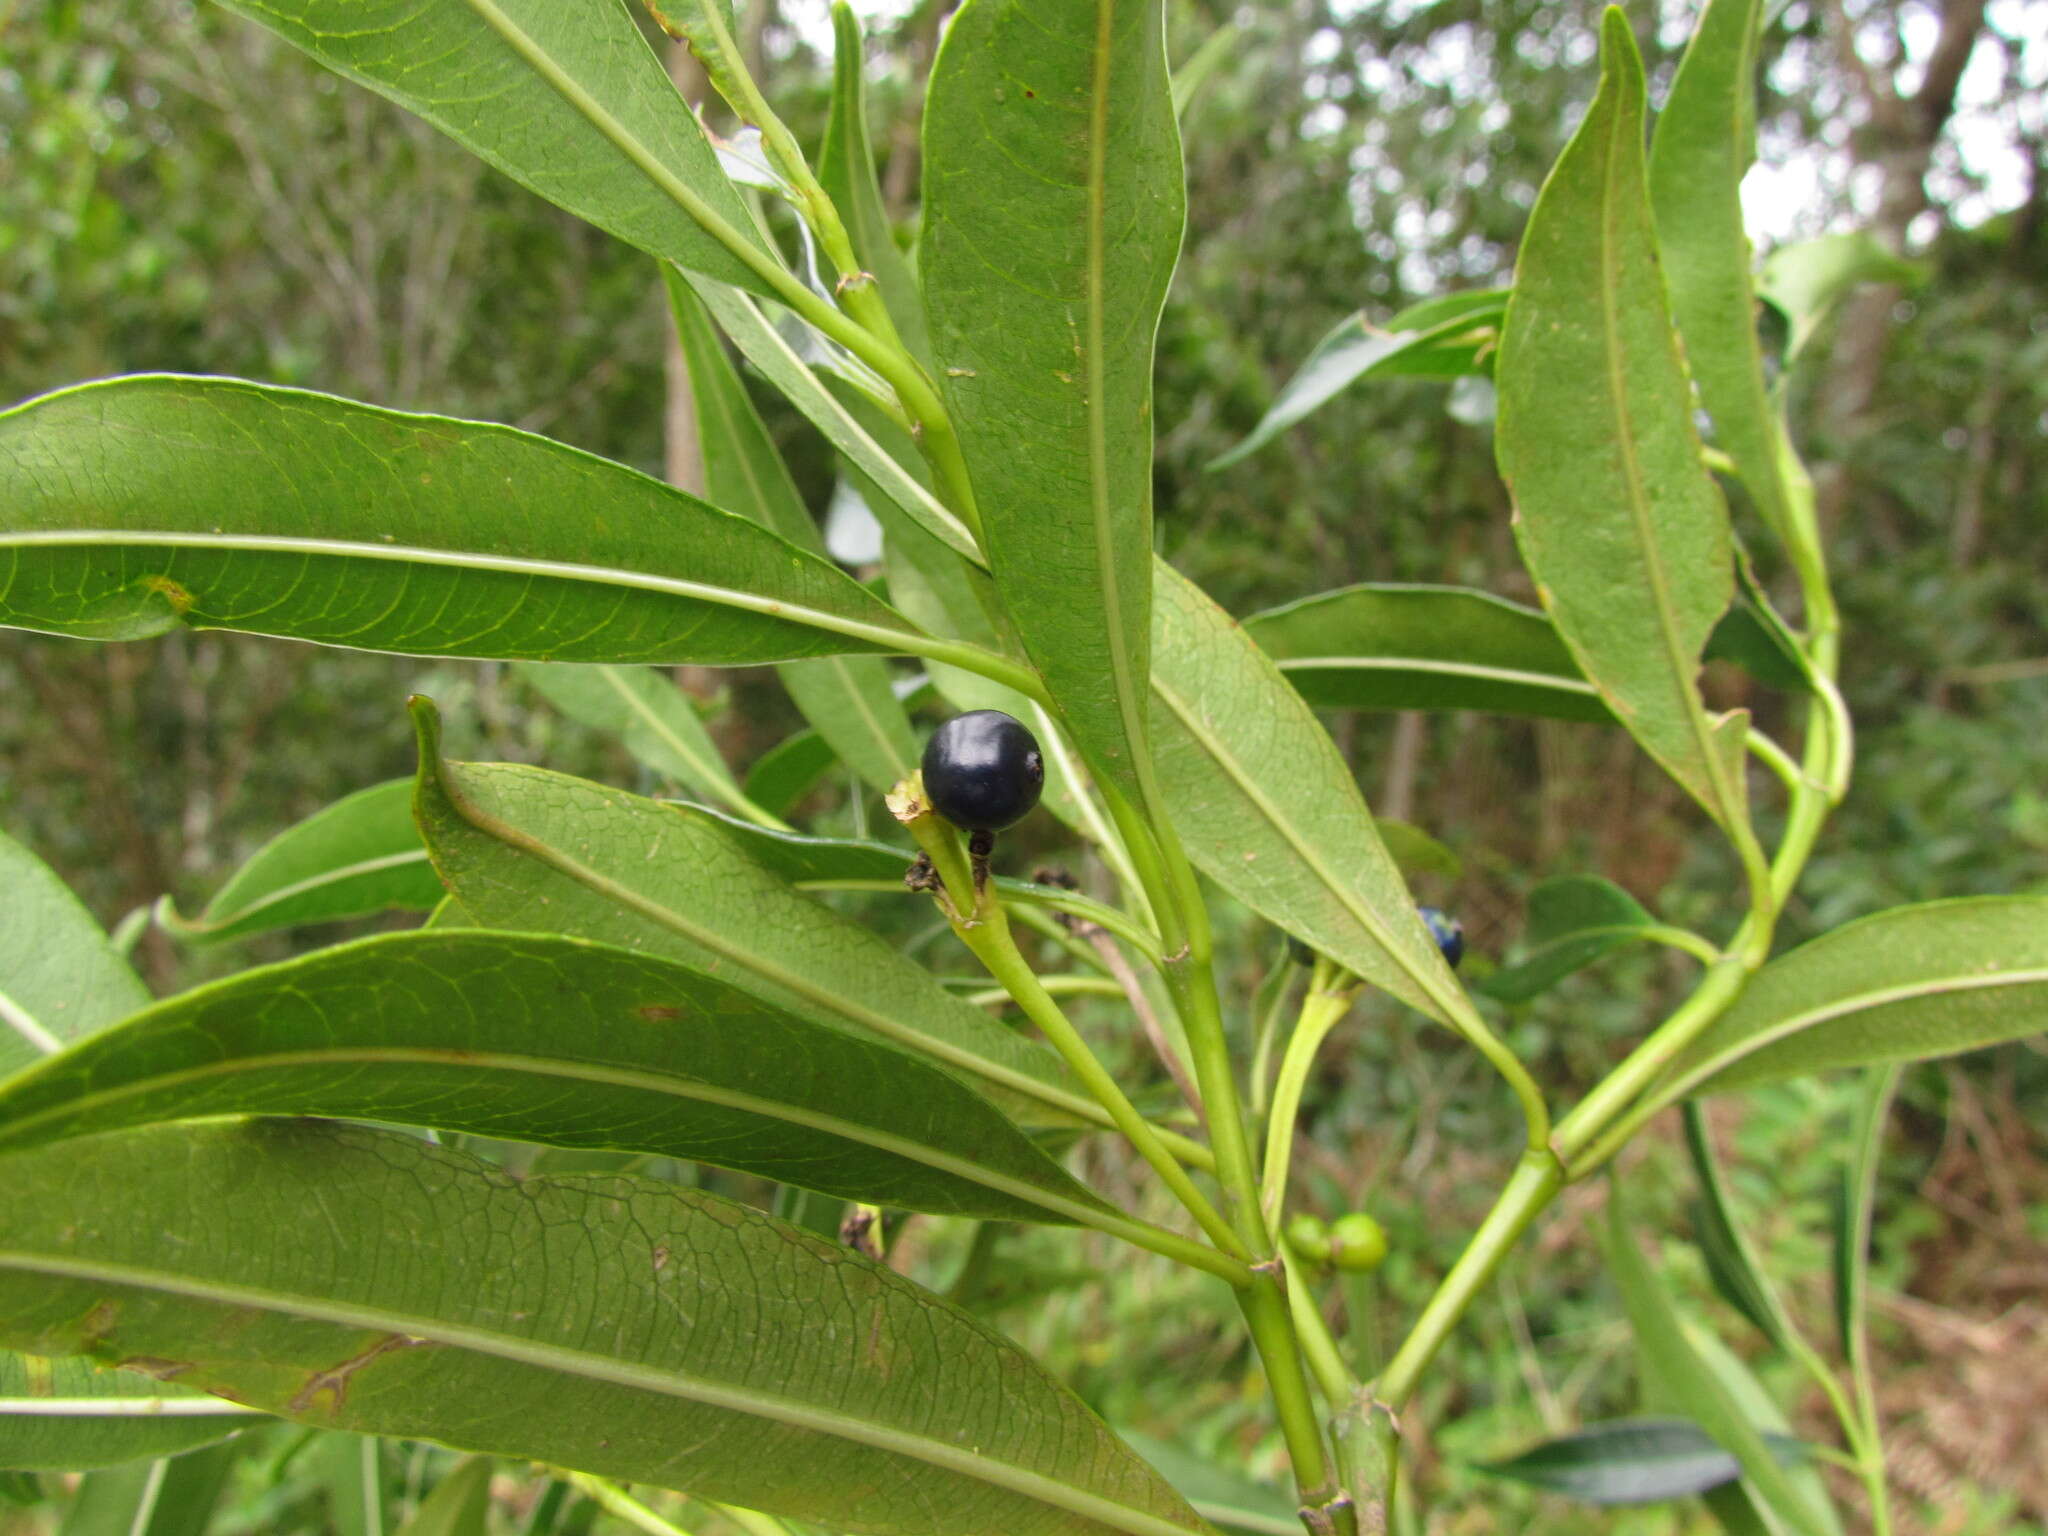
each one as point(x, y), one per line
point(983, 771)
point(1357, 1243)
point(1448, 932)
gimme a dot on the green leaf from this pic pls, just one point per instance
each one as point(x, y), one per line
point(1235, 1503)
point(172, 1497)
point(846, 170)
point(1750, 1398)
point(796, 857)
point(763, 346)
point(1574, 922)
point(1905, 985)
point(1618, 521)
point(1053, 212)
point(352, 1468)
point(21, 1489)
point(1731, 1264)
point(1268, 805)
point(132, 506)
point(1415, 852)
point(1856, 1210)
point(563, 96)
point(67, 1416)
point(1753, 636)
point(636, 1330)
point(648, 712)
point(1704, 142)
point(692, 22)
point(1631, 1461)
point(59, 977)
point(1218, 49)
point(358, 856)
point(534, 851)
point(459, 1504)
point(848, 699)
point(1450, 338)
point(1666, 1356)
point(1421, 647)
point(556, 1040)
point(788, 771)
point(1804, 280)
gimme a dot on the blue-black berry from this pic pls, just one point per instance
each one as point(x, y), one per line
point(983, 771)
point(1448, 932)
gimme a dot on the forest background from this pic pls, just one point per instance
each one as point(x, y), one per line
point(178, 191)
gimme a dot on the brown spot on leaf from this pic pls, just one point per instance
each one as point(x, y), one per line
point(335, 1379)
point(659, 1013)
point(170, 591)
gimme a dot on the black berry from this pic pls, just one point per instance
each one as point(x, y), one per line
point(983, 770)
point(1448, 932)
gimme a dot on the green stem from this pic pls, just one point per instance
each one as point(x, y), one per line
point(1320, 1012)
point(1536, 1180)
point(1029, 893)
point(1271, 1003)
point(1881, 1087)
point(1265, 1308)
point(1058, 986)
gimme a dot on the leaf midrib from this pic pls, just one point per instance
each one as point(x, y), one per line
point(1472, 669)
point(712, 775)
point(126, 1408)
point(515, 1063)
point(406, 554)
point(582, 1365)
point(284, 893)
point(23, 1023)
point(1859, 1002)
point(813, 993)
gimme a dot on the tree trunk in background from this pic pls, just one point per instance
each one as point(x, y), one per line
point(1898, 136)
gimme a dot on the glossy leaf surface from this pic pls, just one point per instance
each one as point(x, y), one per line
point(59, 977)
point(1053, 209)
point(1905, 985)
point(71, 1416)
point(556, 1040)
point(1452, 338)
point(563, 96)
point(1574, 922)
point(1268, 806)
point(1630, 1461)
point(647, 711)
point(1423, 647)
point(358, 856)
point(847, 698)
point(1617, 519)
point(534, 851)
point(637, 1330)
point(130, 507)
point(1704, 142)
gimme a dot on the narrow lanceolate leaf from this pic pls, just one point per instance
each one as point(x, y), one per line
point(563, 96)
point(72, 1416)
point(1053, 208)
point(1630, 1461)
point(360, 855)
point(1704, 142)
point(1268, 805)
point(846, 169)
point(367, 1281)
point(1574, 922)
point(556, 1040)
point(1668, 1362)
point(130, 507)
point(1618, 521)
point(646, 711)
point(848, 698)
point(763, 346)
point(1447, 338)
point(528, 850)
point(1905, 985)
point(1421, 647)
point(59, 977)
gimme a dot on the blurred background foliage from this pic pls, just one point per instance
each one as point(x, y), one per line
point(180, 192)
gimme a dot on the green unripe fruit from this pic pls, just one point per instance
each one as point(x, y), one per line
point(1357, 1242)
point(1309, 1238)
